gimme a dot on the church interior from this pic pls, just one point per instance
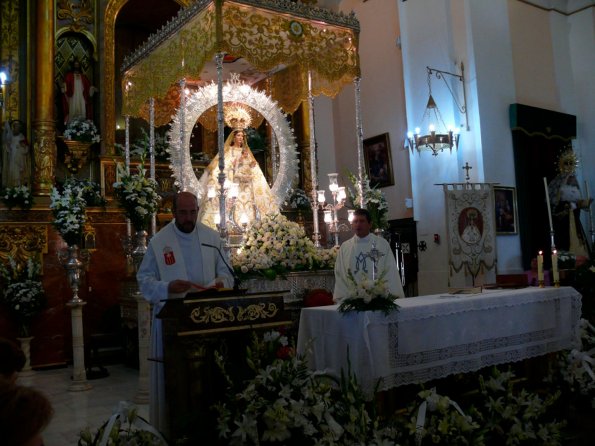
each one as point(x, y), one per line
point(461, 125)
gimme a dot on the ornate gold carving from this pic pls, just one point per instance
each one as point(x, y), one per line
point(78, 12)
point(89, 237)
point(22, 241)
point(214, 315)
point(9, 53)
point(109, 84)
point(259, 35)
point(44, 152)
point(257, 311)
point(218, 315)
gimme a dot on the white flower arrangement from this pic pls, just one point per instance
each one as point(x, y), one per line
point(368, 295)
point(20, 196)
point(69, 208)
point(576, 365)
point(23, 293)
point(287, 403)
point(276, 245)
point(298, 200)
point(83, 130)
point(137, 194)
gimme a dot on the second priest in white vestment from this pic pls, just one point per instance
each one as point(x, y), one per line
point(354, 256)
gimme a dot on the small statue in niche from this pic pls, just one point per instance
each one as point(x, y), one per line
point(77, 93)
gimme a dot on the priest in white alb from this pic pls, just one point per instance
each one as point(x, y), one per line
point(358, 255)
point(177, 262)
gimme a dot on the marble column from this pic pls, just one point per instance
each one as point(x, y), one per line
point(79, 374)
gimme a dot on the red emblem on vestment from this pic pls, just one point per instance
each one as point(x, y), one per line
point(168, 256)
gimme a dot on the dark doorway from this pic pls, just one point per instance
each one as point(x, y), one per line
point(539, 136)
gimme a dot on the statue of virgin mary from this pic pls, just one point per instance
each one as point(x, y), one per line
point(249, 196)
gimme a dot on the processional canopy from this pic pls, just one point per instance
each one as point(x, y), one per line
point(281, 41)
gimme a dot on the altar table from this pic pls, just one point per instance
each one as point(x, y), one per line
point(434, 336)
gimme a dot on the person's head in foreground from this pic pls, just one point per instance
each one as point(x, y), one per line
point(185, 210)
point(361, 223)
point(24, 413)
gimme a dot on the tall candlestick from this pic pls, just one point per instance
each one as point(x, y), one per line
point(556, 274)
point(549, 208)
point(540, 269)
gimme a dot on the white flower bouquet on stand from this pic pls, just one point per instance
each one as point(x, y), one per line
point(368, 295)
point(69, 208)
point(22, 294)
point(137, 194)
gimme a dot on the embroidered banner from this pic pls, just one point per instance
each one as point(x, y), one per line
point(470, 227)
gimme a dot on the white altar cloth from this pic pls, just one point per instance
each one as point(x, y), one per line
point(435, 336)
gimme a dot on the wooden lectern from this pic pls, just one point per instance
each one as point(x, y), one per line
point(196, 327)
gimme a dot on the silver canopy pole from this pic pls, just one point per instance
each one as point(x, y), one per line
point(152, 155)
point(360, 141)
point(313, 164)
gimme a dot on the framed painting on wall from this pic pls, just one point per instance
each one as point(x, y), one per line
point(505, 210)
point(378, 161)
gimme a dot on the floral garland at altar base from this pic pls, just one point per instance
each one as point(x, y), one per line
point(276, 246)
point(368, 295)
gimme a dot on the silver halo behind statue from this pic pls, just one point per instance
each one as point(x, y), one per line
point(205, 97)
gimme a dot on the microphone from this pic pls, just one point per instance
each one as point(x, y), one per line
point(236, 279)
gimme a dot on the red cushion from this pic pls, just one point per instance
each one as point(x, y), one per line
point(318, 298)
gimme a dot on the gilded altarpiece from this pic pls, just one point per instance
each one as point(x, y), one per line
point(10, 30)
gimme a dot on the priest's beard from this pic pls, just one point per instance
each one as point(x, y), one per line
point(187, 227)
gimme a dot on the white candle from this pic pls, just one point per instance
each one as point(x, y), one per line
point(555, 267)
point(540, 267)
point(549, 208)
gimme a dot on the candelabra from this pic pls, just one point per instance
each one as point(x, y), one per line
point(233, 231)
point(330, 209)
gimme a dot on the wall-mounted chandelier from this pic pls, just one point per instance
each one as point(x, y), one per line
point(439, 136)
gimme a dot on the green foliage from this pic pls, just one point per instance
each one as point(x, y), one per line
point(516, 416)
point(444, 423)
point(374, 201)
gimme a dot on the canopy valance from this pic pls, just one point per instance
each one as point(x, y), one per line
point(278, 38)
